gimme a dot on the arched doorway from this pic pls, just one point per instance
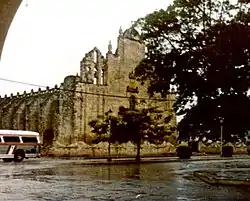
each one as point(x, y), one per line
point(48, 137)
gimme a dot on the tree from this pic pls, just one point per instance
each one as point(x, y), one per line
point(202, 48)
point(131, 125)
point(108, 129)
point(204, 118)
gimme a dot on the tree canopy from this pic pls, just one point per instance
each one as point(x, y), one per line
point(202, 47)
point(131, 125)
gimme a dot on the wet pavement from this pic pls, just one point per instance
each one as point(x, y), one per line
point(57, 179)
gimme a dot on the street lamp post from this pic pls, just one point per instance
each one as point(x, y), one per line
point(109, 133)
point(221, 133)
point(109, 146)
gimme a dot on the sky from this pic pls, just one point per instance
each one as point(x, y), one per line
point(48, 38)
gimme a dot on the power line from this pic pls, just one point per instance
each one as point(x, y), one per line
point(24, 83)
point(88, 93)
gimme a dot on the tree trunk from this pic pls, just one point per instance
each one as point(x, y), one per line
point(138, 154)
point(109, 147)
point(109, 157)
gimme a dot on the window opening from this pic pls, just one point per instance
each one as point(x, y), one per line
point(102, 77)
point(95, 57)
point(95, 76)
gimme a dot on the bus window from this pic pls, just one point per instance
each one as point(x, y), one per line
point(29, 139)
point(11, 139)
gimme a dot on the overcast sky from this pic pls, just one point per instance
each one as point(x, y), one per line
point(48, 38)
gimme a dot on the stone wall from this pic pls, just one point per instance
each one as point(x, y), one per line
point(30, 111)
point(129, 149)
point(117, 150)
point(215, 148)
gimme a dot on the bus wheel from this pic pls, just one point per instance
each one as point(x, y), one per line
point(19, 155)
point(7, 160)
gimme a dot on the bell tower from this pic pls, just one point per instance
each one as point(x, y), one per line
point(130, 51)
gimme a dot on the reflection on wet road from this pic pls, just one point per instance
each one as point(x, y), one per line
point(45, 179)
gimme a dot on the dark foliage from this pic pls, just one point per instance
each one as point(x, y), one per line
point(227, 150)
point(203, 48)
point(130, 125)
point(184, 152)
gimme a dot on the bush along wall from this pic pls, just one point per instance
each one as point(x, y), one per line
point(184, 151)
point(248, 149)
point(227, 150)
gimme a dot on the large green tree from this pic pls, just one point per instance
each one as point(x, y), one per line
point(201, 47)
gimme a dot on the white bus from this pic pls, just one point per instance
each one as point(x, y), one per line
point(15, 145)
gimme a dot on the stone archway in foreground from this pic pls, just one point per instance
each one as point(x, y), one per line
point(8, 9)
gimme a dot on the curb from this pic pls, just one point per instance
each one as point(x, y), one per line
point(131, 162)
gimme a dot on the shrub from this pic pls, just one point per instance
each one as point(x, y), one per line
point(172, 139)
point(183, 151)
point(227, 150)
point(194, 145)
point(248, 150)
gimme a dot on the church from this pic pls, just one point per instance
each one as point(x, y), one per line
point(61, 114)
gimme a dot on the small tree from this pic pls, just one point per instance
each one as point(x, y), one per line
point(107, 129)
point(131, 125)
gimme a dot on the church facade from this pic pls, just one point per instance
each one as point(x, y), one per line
point(62, 114)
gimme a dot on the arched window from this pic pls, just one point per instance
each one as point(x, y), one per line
point(95, 75)
point(102, 77)
point(95, 57)
point(85, 72)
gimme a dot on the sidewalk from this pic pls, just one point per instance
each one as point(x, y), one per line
point(128, 161)
point(227, 178)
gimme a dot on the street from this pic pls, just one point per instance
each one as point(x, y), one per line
point(59, 179)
